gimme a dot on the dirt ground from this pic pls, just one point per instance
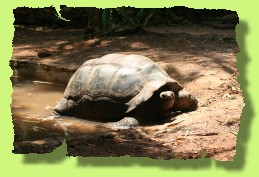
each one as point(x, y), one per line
point(202, 59)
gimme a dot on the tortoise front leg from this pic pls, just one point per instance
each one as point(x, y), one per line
point(125, 123)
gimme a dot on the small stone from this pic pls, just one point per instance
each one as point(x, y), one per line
point(44, 53)
point(47, 108)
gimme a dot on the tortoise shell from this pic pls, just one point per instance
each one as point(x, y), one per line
point(109, 87)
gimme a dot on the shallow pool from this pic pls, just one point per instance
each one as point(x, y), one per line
point(32, 106)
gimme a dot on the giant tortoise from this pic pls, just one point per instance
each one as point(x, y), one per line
point(125, 89)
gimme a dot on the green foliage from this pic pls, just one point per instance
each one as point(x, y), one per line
point(113, 20)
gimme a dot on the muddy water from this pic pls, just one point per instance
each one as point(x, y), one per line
point(32, 105)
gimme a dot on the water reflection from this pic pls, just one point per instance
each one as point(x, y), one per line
point(32, 104)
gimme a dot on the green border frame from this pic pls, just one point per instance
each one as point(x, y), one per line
point(57, 163)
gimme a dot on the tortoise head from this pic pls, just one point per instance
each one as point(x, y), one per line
point(167, 96)
point(164, 103)
point(169, 101)
point(184, 101)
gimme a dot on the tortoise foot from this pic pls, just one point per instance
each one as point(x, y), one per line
point(125, 123)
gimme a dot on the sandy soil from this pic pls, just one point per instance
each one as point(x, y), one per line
point(203, 59)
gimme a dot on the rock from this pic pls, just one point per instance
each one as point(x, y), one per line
point(44, 53)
